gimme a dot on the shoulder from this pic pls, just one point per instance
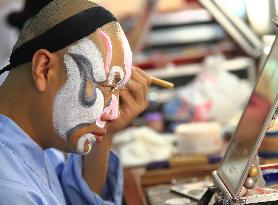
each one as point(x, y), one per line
point(16, 183)
point(9, 161)
point(13, 168)
point(14, 192)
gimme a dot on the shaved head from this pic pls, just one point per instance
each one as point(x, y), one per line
point(58, 25)
point(73, 60)
point(54, 13)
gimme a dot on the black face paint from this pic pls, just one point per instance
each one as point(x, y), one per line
point(72, 130)
point(86, 74)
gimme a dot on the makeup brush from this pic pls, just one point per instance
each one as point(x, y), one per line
point(162, 83)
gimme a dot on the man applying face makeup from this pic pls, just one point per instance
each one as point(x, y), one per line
point(71, 87)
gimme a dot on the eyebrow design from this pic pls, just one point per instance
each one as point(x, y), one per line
point(86, 71)
point(116, 70)
point(108, 45)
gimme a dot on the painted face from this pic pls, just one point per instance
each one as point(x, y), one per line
point(94, 71)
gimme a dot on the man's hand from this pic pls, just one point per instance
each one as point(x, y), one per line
point(133, 100)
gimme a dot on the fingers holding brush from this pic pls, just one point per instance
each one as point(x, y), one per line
point(155, 81)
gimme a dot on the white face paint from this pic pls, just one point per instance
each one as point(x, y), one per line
point(127, 57)
point(112, 110)
point(72, 108)
point(118, 71)
point(88, 139)
point(114, 71)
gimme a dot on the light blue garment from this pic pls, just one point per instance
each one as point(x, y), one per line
point(31, 176)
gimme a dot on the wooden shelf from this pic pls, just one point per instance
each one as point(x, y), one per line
point(135, 180)
point(241, 63)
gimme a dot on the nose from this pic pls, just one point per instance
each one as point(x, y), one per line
point(111, 112)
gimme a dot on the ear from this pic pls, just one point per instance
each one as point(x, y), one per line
point(41, 64)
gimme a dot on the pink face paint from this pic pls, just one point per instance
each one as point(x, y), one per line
point(127, 59)
point(112, 111)
point(108, 45)
point(101, 124)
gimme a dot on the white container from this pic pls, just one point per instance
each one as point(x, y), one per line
point(199, 138)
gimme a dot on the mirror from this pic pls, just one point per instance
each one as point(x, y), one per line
point(252, 126)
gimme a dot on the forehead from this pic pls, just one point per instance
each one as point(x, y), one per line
point(116, 35)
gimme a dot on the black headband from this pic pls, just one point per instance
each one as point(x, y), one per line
point(62, 35)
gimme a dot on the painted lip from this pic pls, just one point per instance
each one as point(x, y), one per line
point(99, 135)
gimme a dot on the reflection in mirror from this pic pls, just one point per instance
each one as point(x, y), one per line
point(250, 130)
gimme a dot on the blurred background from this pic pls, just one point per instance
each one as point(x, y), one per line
point(212, 50)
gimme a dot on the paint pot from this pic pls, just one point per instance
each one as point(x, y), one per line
point(199, 138)
point(177, 201)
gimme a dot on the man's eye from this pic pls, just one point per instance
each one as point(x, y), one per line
point(107, 88)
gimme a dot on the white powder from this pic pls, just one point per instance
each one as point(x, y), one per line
point(115, 70)
point(99, 123)
point(127, 56)
point(88, 49)
point(84, 140)
point(68, 113)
